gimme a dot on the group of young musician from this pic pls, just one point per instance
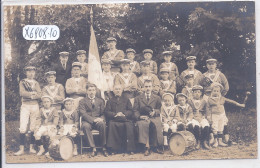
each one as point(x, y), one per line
point(139, 109)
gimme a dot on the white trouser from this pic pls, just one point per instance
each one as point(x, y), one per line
point(68, 129)
point(45, 130)
point(218, 121)
point(29, 113)
point(173, 127)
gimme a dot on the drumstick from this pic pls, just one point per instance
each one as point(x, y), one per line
point(247, 94)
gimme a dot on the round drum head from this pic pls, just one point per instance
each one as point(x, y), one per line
point(66, 148)
point(177, 144)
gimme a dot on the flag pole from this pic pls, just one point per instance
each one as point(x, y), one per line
point(91, 16)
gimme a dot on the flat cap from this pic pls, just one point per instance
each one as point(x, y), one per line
point(188, 76)
point(130, 50)
point(164, 70)
point(181, 95)
point(81, 52)
point(167, 53)
point(147, 51)
point(46, 96)
point(216, 84)
point(76, 64)
point(111, 39)
point(143, 63)
point(106, 61)
point(191, 58)
point(30, 68)
point(211, 60)
point(50, 73)
point(67, 99)
point(64, 53)
point(197, 87)
point(125, 61)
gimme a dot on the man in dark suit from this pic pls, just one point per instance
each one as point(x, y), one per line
point(119, 113)
point(148, 122)
point(62, 68)
point(91, 109)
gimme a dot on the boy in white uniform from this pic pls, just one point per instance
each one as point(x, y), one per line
point(54, 90)
point(173, 69)
point(167, 85)
point(108, 77)
point(148, 54)
point(134, 65)
point(49, 121)
point(30, 93)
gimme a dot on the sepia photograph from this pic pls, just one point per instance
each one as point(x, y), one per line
point(129, 82)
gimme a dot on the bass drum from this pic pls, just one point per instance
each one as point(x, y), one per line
point(61, 147)
point(182, 142)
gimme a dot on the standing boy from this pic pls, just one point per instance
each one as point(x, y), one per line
point(148, 54)
point(108, 77)
point(173, 69)
point(81, 57)
point(30, 93)
point(167, 85)
point(134, 65)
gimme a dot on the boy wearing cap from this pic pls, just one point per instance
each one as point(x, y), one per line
point(69, 122)
point(48, 126)
point(189, 83)
point(127, 80)
point(147, 75)
point(30, 93)
point(214, 75)
point(108, 77)
point(199, 122)
point(148, 54)
point(197, 75)
point(113, 54)
point(81, 57)
point(134, 65)
point(217, 115)
point(185, 111)
point(62, 68)
point(167, 85)
point(169, 116)
point(173, 69)
point(54, 90)
point(76, 86)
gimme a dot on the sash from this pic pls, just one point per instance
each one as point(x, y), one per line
point(166, 84)
point(114, 55)
point(126, 80)
point(215, 77)
point(51, 92)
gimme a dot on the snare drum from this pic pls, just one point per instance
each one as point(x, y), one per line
point(61, 147)
point(182, 142)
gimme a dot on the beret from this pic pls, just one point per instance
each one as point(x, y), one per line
point(181, 95)
point(50, 73)
point(64, 53)
point(125, 61)
point(130, 50)
point(147, 51)
point(168, 94)
point(211, 60)
point(191, 58)
point(68, 99)
point(29, 68)
point(164, 70)
point(111, 39)
point(76, 64)
point(81, 52)
point(215, 84)
point(46, 96)
point(106, 61)
point(197, 87)
point(167, 53)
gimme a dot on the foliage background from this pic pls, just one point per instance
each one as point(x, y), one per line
point(223, 30)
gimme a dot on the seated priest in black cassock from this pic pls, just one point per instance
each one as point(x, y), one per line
point(148, 122)
point(119, 115)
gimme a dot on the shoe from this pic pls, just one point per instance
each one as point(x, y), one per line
point(41, 151)
point(221, 143)
point(131, 153)
point(47, 154)
point(197, 145)
point(215, 145)
point(226, 138)
point(20, 152)
point(157, 150)
point(32, 150)
point(147, 152)
point(211, 139)
point(205, 145)
point(105, 153)
point(93, 154)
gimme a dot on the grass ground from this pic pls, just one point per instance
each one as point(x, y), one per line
point(242, 127)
